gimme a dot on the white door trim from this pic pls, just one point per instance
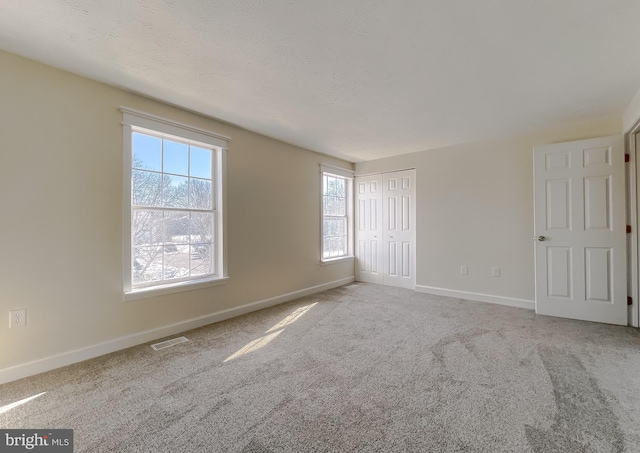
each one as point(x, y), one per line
point(633, 219)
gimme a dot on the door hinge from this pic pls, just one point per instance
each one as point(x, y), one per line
point(629, 300)
point(626, 157)
point(628, 229)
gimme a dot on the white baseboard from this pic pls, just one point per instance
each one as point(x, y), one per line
point(510, 301)
point(78, 355)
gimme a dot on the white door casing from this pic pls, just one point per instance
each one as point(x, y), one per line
point(633, 213)
point(385, 229)
point(580, 243)
point(633, 217)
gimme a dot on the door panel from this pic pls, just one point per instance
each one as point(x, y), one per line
point(559, 272)
point(580, 213)
point(598, 270)
point(392, 213)
point(558, 209)
point(597, 214)
point(406, 259)
point(392, 259)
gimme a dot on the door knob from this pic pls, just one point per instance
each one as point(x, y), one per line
point(540, 238)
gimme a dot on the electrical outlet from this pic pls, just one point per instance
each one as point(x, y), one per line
point(18, 318)
point(464, 270)
point(495, 271)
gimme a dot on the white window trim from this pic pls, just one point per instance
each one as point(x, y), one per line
point(340, 259)
point(342, 173)
point(137, 119)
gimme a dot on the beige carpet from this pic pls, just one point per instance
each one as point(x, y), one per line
point(359, 368)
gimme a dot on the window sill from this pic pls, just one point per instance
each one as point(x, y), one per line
point(341, 259)
point(153, 291)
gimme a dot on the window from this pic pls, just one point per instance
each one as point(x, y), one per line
point(174, 222)
point(337, 227)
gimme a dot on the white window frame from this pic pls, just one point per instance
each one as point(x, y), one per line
point(137, 121)
point(348, 175)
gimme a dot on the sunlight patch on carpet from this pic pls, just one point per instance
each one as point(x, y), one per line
point(254, 345)
point(275, 331)
point(293, 317)
point(8, 407)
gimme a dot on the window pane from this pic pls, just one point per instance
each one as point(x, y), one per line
point(147, 264)
point(334, 206)
point(335, 187)
point(201, 227)
point(147, 188)
point(331, 186)
point(201, 260)
point(334, 231)
point(338, 227)
point(334, 227)
point(342, 246)
point(176, 158)
point(200, 195)
point(200, 163)
point(340, 188)
point(175, 191)
point(338, 246)
point(147, 152)
point(334, 196)
point(176, 261)
point(147, 227)
point(176, 226)
point(329, 230)
point(332, 245)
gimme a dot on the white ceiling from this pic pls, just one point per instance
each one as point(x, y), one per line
point(359, 79)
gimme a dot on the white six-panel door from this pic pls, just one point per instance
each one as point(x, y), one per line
point(368, 218)
point(397, 219)
point(385, 228)
point(580, 243)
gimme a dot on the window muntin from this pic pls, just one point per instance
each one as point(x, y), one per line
point(336, 214)
point(174, 176)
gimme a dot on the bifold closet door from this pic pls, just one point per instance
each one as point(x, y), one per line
point(398, 222)
point(385, 228)
point(369, 235)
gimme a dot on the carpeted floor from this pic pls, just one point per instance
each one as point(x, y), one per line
point(359, 368)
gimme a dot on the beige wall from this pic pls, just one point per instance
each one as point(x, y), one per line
point(61, 185)
point(475, 208)
point(631, 114)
